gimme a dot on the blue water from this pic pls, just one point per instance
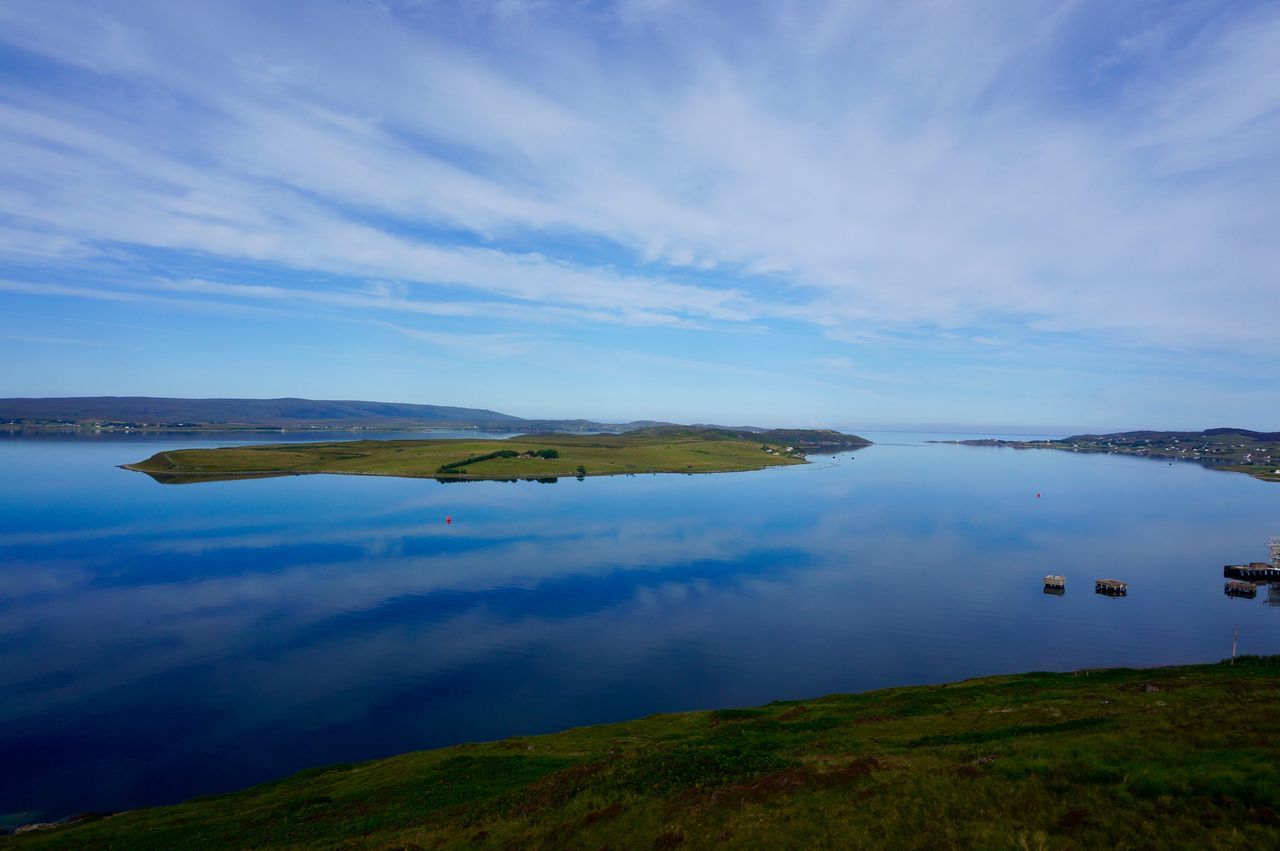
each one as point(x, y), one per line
point(163, 641)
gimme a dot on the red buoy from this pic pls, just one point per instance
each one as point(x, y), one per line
point(448, 519)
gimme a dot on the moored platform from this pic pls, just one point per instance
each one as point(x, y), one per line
point(1111, 587)
point(1236, 588)
point(1252, 570)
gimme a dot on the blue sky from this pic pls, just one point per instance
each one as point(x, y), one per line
point(1038, 214)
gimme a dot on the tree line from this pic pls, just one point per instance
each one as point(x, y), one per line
point(501, 453)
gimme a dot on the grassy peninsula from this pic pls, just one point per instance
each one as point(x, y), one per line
point(1235, 450)
point(668, 449)
point(1172, 757)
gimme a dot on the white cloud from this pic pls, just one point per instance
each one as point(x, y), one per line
point(861, 167)
point(487, 346)
point(838, 364)
point(124, 296)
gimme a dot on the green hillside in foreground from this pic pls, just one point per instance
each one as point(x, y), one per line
point(1161, 758)
point(656, 450)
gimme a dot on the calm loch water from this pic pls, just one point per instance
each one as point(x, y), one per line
point(159, 642)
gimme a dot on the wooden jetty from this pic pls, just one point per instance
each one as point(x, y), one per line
point(1055, 581)
point(1252, 570)
point(1111, 587)
point(1236, 588)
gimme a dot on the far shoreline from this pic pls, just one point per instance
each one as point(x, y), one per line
point(1223, 450)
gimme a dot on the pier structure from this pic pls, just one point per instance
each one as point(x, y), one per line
point(1055, 584)
point(1253, 570)
point(1237, 588)
point(1111, 587)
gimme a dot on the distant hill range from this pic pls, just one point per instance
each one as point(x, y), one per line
point(165, 414)
point(1129, 436)
point(805, 439)
point(1241, 450)
point(150, 412)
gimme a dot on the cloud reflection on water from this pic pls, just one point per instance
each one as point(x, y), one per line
point(185, 640)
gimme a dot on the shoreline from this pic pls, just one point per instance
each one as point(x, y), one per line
point(466, 477)
point(1264, 473)
point(1097, 757)
point(539, 457)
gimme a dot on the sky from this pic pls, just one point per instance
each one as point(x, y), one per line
point(1036, 214)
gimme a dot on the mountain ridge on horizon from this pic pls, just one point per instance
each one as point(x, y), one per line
point(1138, 434)
point(280, 412)
point(301, 413)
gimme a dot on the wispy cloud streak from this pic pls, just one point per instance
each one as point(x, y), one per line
point(858, 168)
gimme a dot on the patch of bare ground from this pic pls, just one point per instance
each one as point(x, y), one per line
point(1072, 820)
point(779, 783)
point(603, 814)
point(557, 788)
point(668, 839)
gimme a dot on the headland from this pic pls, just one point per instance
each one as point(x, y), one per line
point(1232, 449)
point(660, 449)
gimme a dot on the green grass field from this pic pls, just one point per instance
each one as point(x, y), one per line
point(653, 451)
point(1162, 758)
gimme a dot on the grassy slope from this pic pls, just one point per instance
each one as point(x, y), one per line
point(694, 452)
point(1171, 757)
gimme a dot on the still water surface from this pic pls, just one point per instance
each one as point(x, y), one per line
point(159, 642)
